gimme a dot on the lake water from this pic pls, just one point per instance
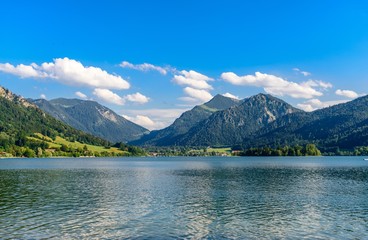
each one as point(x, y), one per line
point(184, 198)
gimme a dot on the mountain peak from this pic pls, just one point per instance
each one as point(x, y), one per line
point(234, 125)
point(187, 120)
point(264, 96)
point(221, 96)
point(221, 102)
point(267, 98)
point(9, 95)
point(90, 116)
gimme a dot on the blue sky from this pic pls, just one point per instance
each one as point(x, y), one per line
point(152, 60)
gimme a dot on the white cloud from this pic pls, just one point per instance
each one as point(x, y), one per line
point(22, 70)
point(145, 67)
point(302, 72)
point(229, 95)
point(142, 121)
point(272, 85)
point(81, 95)
point(198, 94)
point(197, 89)
point(317, 83)
point(193, 79)
point(305, 73)
point(160, 117)
point(108, 96)
point(314, 104)
point(153, 113)
point(43, 96)
point(70, 72)
point(347, 93)
point(137, 98)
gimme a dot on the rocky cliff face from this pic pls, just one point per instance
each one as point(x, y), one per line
point(5, 93)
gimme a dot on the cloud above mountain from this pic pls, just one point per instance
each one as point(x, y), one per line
point(81, 95)
point(145, 67)
point(69, 72)
point(196, 95)
point(317, 84)
point(314, 104)
point(197, 86)
point(347, 93)
point(229, 95)
point(137, 98)
point(274, 85)
point(142, 121)
point(23, 71)
point(153, 118)
point(193, 79)
point(108, 96)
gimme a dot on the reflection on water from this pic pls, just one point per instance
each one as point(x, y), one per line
point(235, 198)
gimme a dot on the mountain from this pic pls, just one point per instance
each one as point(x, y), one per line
point(342, 126)
point(266, 121)
point(20, 118)
point(170, 135)
point(237, 124)
point(93, 118)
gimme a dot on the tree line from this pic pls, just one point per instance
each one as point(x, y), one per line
point(307, 150)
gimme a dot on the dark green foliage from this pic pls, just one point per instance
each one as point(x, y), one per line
point(93, 118)
point(182, 151)
point(134, 151)
point(308, 150)
point(29, 153)
point(361, 151)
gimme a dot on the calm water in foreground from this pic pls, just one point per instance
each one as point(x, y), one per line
point(217, 198)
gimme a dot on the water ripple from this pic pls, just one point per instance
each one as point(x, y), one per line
point(208, 199)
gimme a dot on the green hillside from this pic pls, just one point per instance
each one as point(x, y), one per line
point(22, 124)
point(93, 118)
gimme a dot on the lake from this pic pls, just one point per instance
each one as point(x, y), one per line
point(184, 198)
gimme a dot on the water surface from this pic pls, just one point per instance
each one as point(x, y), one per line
point(216, 198)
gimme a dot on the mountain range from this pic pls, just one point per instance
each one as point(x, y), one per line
point(342, 126)
point(222, 121)
point(264, 120)
point(93, 118)
point(20, 118)
point(258, 121)
point(27, 131)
